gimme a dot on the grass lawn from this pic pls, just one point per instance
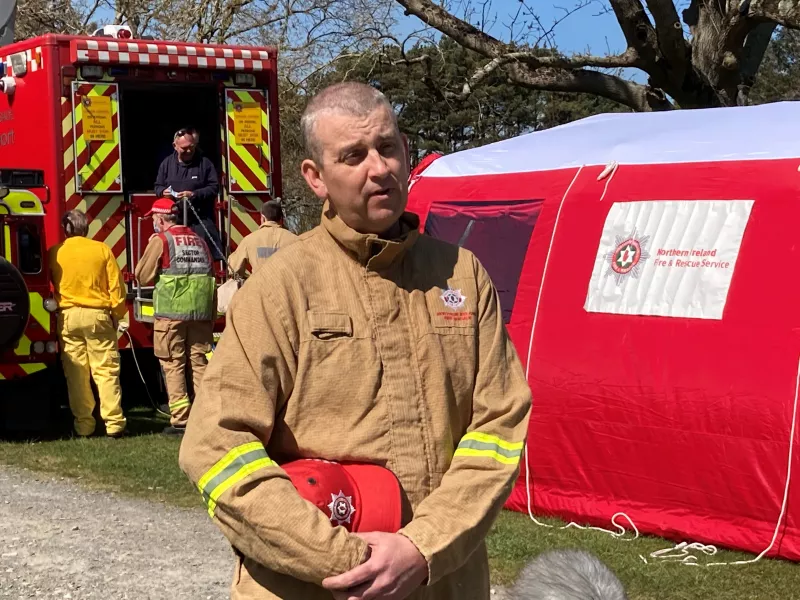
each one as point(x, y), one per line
point(145, 465)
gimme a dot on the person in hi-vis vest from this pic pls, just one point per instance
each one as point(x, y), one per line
point(180, 263)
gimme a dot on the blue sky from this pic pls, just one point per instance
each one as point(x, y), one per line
point(580, 31)
point(591, 29)
point(585, 29)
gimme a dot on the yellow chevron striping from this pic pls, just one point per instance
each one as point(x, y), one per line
point(237, 174)
point(246, 219)
point(243, 153)
point(38, 311)
point(69, 158)
point(23, 346)
point(31, 368)
point(250, 161)
point(105, 213)
point(7, 242)
point(122, 259)
point(116, 234)
point(108, 179)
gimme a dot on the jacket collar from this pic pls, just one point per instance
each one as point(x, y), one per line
point(195, 159)
point(368, 248)
point(269, 224)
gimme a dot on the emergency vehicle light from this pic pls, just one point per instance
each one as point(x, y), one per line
point(92, 71)
point(122, 32)
point(7, 85)
point(245, 79)
point(52, 347)
point(38, 347)
point(50, 304)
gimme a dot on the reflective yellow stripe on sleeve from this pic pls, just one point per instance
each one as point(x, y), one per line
point(237, 464)
point(489, 446)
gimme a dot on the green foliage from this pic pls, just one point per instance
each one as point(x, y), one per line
point(421, 85)
point(779, 76)
point(432, 119)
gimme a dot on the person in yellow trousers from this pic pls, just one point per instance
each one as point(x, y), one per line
point(91, 299)
point(183, 305)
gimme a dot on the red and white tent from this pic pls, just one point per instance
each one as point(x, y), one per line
point(649, 271)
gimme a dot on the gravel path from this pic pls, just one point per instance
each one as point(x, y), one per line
point(60, 541)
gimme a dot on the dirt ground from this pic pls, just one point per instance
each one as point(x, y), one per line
point(60, 541)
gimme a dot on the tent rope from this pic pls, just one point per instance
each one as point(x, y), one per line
point(680, 553)
point(533, 329)
point(621, 530)
point(683, 548)
point(611, 168)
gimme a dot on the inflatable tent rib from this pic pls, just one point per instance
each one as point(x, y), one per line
point(648, 267)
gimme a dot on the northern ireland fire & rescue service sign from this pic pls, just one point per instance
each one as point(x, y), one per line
point(668, 258)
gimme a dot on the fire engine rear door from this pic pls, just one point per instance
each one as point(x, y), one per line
point(95, 119)
point(248, 137)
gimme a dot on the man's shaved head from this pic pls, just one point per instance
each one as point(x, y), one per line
point(349, 98)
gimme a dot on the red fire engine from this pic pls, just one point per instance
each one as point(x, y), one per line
point(85, 123)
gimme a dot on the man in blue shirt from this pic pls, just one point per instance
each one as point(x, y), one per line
point(186, 173)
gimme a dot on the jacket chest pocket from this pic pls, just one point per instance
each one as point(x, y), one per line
point(328, 341)
point(338, 375)
point(329, 326)
point(453, 310)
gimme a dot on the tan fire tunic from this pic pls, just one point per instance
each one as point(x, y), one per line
point(354, 348)
point(258, 246)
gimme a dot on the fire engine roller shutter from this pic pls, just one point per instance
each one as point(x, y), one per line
point(95, 118)
point(14, 305)
point(248, 141)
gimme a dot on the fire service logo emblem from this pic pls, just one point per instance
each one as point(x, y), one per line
point(628, 257)
point(341, 508)
point(453, 299)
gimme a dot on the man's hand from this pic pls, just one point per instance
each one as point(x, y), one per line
point(394, 569)
point(186, 194)
point(167, 193)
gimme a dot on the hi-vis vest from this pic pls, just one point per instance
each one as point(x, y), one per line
point(185, 288)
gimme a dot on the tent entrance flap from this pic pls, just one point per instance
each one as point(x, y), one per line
point(497, 233)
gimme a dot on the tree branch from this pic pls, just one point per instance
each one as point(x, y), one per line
point(636, 96)
point(755, 46)
point(637, 29)
point(555, 72)
point(669, 31)
point(462, 32)
point(535, 60)
point(782, 12)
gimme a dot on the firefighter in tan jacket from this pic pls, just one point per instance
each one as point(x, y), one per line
point(258, 246)
point(183, 305)
point(367, 342)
